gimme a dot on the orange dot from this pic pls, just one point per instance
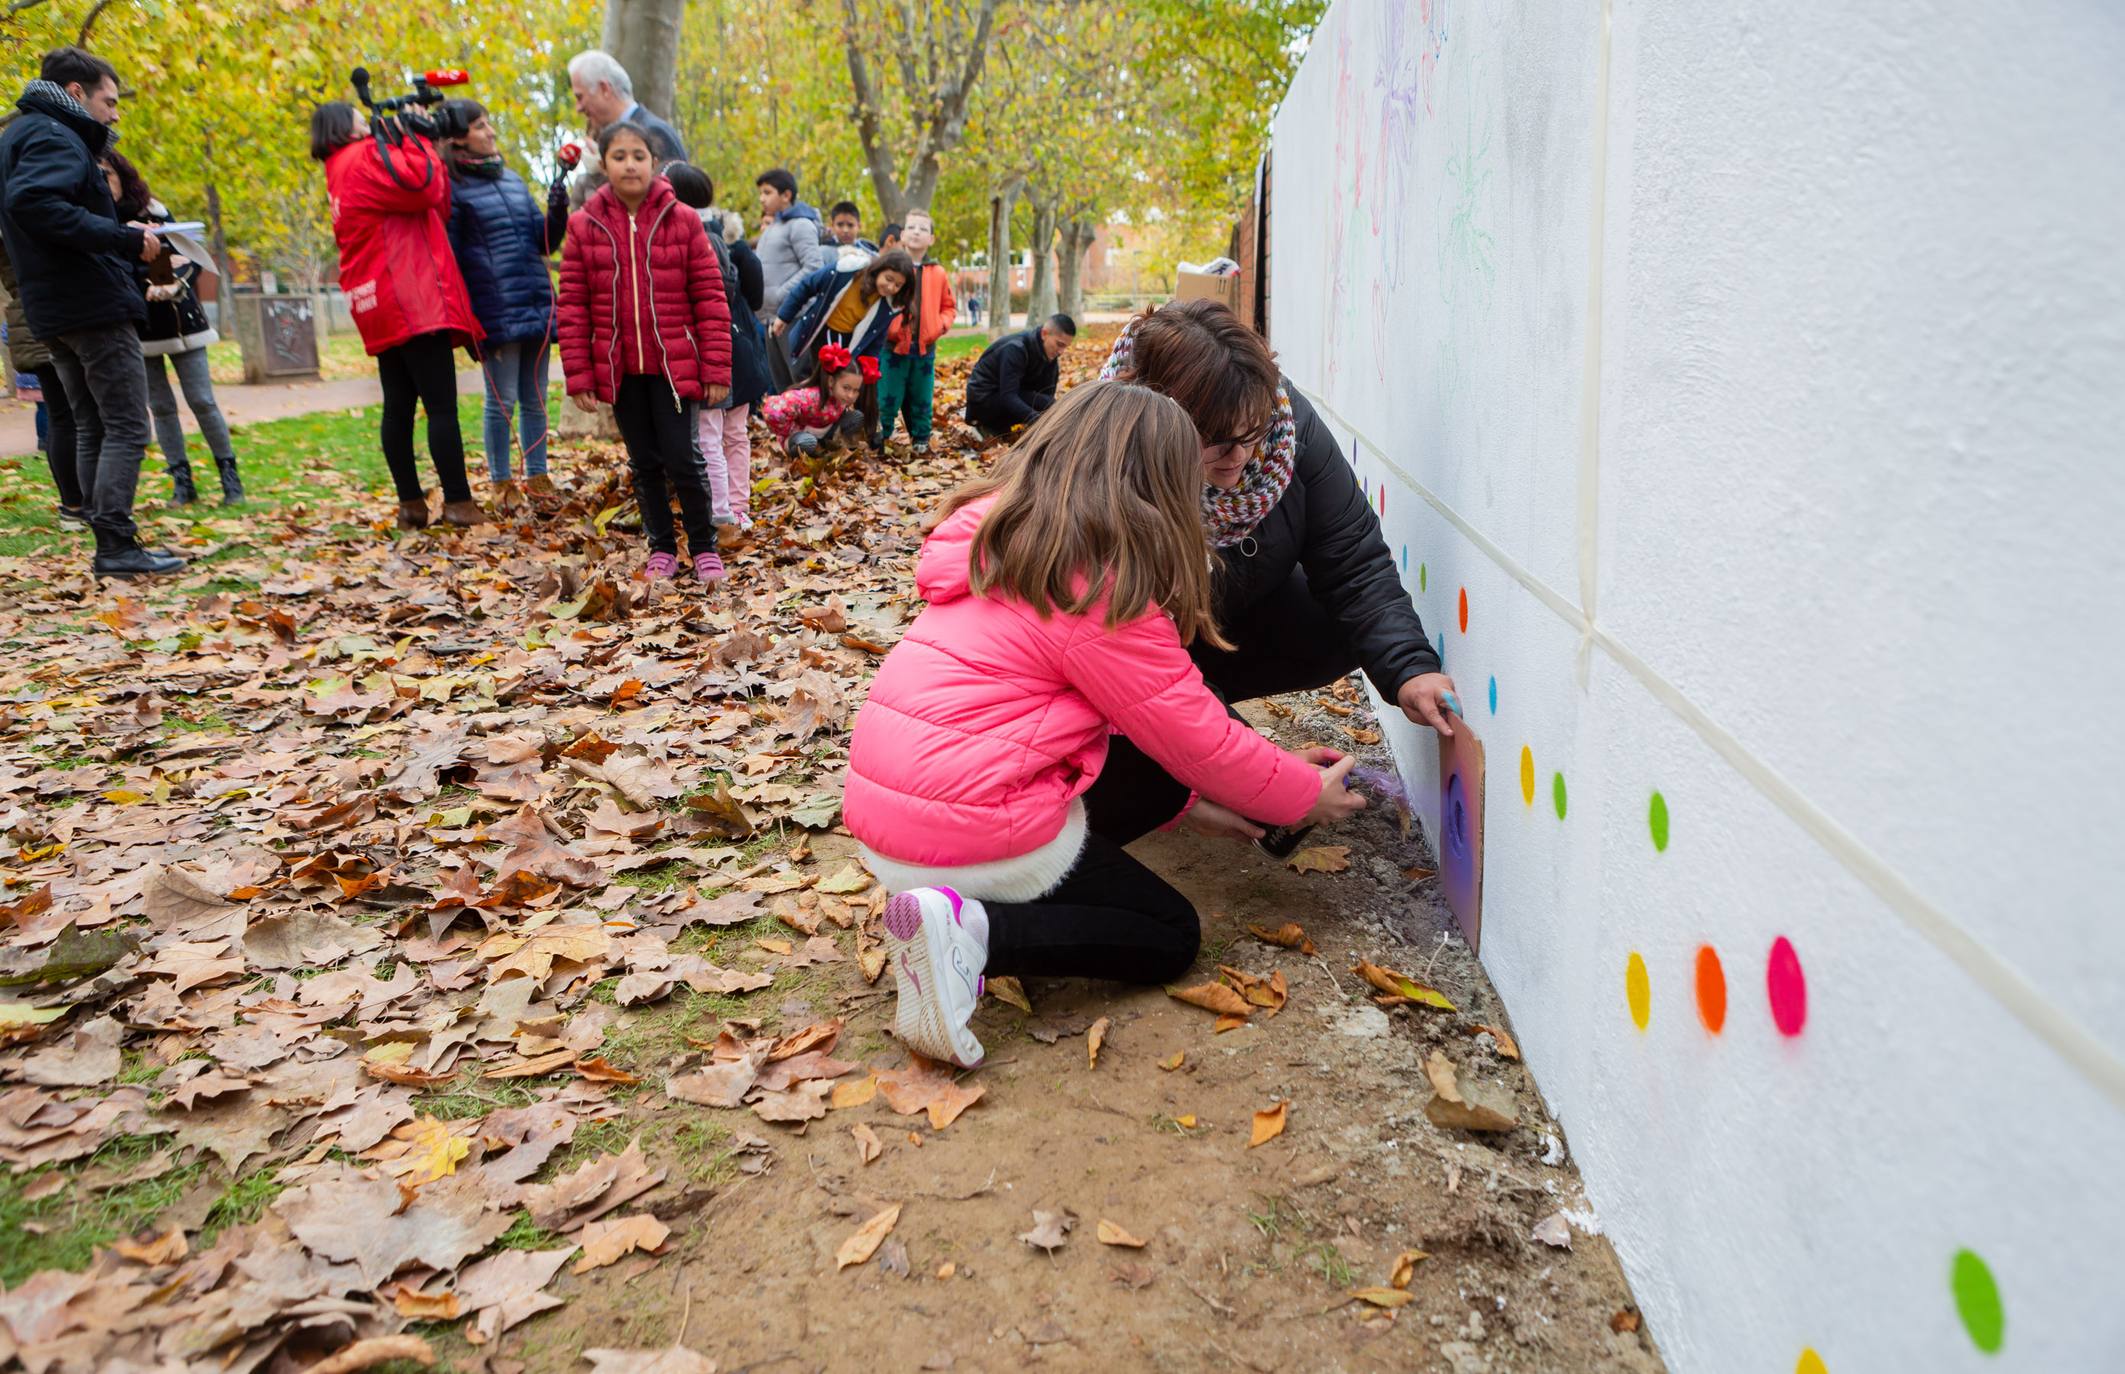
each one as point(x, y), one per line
point(1711, 990)
point(1464, 610)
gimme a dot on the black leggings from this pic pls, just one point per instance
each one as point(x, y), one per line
point(59, 445)
point(1111, 917)
point(423, 371)
point(658, 429)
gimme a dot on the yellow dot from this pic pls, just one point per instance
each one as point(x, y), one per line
point(1527, 775)
point(1810, 1363)
point(1638, 989)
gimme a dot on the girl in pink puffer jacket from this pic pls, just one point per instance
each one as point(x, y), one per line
point(1064, 590)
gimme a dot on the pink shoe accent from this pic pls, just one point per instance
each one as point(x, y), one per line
point(660, 565)
point(981, 984)
point(956, 900)
point(708, 567)
point(909, 969)
point(903, 916)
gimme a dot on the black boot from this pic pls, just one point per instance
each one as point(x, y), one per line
point(182, 492)
point(231, 483)
point(119, 555)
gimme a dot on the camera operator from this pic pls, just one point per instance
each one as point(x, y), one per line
point(75, 263)
point(390, 214)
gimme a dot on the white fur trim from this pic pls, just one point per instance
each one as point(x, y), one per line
point(1025, 878)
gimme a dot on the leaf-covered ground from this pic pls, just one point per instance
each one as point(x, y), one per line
point(443, 945)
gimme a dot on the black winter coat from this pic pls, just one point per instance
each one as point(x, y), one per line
point(749, 377)
point(1323, 524)
point(1013, 380)
point(73, 258)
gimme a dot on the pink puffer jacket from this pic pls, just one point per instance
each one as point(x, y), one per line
point(985, 722)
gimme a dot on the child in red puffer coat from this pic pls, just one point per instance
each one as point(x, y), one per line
point(644, 328)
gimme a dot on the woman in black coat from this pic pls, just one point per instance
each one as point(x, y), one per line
point(1306, 590)
point(176, 329)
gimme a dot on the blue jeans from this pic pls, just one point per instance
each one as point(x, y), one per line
point(516, 380)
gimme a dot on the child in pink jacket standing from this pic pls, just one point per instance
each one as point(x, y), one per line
point(1064, 590)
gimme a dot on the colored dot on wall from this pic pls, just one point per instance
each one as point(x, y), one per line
point(1556, 792)
point(1383, 498)
point(1405, 558)
point(1423, 579)
point(1464, 610)
point(1638, 989)
point(1977, 1301)
point(1810, 1363)
point(1788, 988)
point(1494, 696)
point(1711, 990)
point(1527, 775)
point(1657, 817)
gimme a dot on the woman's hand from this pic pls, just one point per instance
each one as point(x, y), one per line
point(774, 331)
point(584, 400)
point(1320, 756)
point(715, 395)
point(1336, 802)
point(1424, 699)
point(1206, 817)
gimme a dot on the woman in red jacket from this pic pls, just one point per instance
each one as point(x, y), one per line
point(645, 329)
point(408, 300)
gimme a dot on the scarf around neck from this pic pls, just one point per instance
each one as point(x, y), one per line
point(1230, 516)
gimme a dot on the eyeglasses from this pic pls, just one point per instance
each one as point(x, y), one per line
point(1245, 441)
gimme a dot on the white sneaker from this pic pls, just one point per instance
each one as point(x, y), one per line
point(937, 963)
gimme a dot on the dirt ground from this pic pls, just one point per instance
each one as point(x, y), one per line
point(1250, 1253)
point(377, 913)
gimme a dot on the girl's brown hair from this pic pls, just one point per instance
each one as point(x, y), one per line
point(1221, 372)
point(1100, 499)
point(895, 261)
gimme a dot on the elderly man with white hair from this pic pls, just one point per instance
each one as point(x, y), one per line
point(605, 95)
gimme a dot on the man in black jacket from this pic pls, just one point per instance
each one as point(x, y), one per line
point(75, 263)
point(1014, 378)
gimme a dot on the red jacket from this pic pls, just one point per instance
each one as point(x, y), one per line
point(395, 262)
point(642, 296)
point(933, 306)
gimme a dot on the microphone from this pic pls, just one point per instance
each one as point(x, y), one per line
point(448, 76)
point(361, 83)
point(569, 155)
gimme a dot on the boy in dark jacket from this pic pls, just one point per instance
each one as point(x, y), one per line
point(74, 261)
point(1014, 378)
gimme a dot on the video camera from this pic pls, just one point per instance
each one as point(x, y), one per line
point(420, 111)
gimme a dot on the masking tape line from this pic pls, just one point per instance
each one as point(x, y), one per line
point(1988, 969)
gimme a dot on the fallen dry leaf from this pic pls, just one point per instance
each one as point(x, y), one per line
point(1401, 985)
point(1383, 1297)
point(1320, 858)
point(1095, 1036)
point(925, 1085)
point(1405, 1268)
point(1009, 990)
point(1269, 1124)
point(167, 1248)
point(1212, 997)
point(672, 1359)
point(1173, 1061)
point(606, 1241)
point(868, 1146)
point(1286, 936)
point(864, 1240)
point(1112, 1234)
point(1465, 1103)
point(1050, 1229)
point(1507, 1046)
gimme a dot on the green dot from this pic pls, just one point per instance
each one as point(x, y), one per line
point(1556, 792)
point(1423, 578)
point(1659, 820)
point(1977, 1301)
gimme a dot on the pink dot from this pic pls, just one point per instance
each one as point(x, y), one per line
point(1788, 987)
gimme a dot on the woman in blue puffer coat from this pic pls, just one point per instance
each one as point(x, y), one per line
point(502, 242)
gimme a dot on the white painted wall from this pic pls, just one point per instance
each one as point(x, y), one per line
point(1759, 373)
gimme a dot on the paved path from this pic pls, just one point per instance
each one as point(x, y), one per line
point(242, 405)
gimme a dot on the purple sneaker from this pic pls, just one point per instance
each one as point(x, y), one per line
point(660, 566)
point(937, 965)
point(708, 567)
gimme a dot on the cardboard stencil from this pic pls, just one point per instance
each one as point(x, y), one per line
point(1461, 828)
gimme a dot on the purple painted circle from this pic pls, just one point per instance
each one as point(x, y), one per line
point(1788, 988)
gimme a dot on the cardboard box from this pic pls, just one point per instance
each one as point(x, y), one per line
point(1199, 286)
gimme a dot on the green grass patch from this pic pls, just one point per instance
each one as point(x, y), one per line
point(242, 1203)
point(961, 345)
point(473, 1096)
point(74, 1221)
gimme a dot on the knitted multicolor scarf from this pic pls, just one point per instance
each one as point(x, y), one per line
point(1230, 516)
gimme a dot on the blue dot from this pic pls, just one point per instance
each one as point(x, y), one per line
point(1494, 696)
